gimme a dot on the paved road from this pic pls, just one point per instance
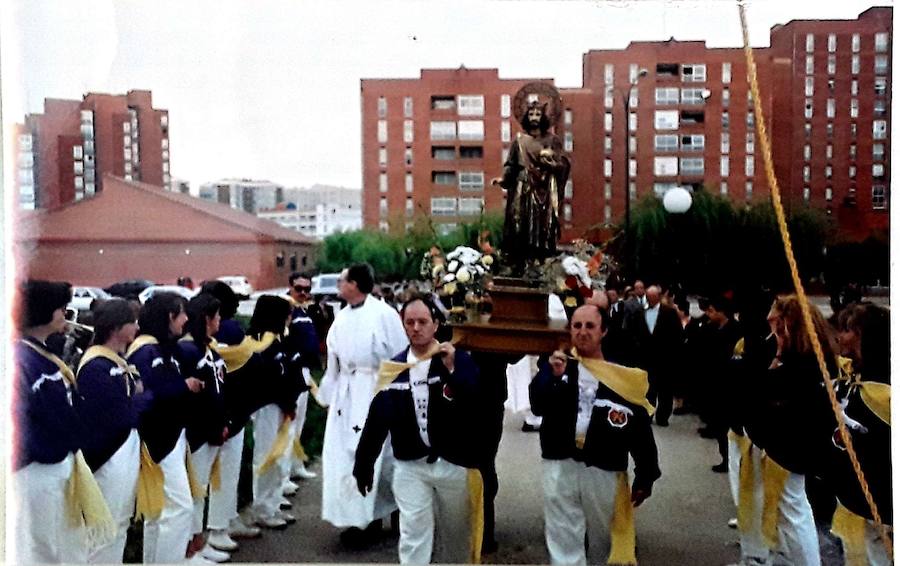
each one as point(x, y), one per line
point(684, 522)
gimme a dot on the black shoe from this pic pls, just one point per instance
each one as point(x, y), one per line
point(529, 428)
point(720, 468)
point(662, 423)
point(489, 547)
point(354, 538)
point(395, 523)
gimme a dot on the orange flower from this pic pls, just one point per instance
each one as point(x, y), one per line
point(595, 262)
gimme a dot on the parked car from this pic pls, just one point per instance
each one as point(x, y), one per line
point(239, 284)
point(82, 297)
point(188, 294)
point(325, 284)
point(129, 289)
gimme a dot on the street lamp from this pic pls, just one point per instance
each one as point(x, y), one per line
point(626, 102)
point(677, 200)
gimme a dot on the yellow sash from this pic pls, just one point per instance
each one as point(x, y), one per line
point(745, 510)
point(86, 505)
point(215, 473)
point(629, 383)
point(299, 452)
point(278, 447)
point(236, 356)
point(774, 479)
point(103, 352)
point(150, 493)
point(475, 486)
point(140, 342)
point(621, 526)
point(877, 397)
point(851, 528)
point(845, 369)
point(738, 348)
point(389, 369)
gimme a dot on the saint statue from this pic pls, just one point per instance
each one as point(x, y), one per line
point(534, 178)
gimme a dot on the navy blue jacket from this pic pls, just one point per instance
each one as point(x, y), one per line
point(162, 423)
point(303, 339)
point(206, 419)
point(606, 445)
point(47, 427)
point(276, 380)
point(230, 332)
point(451, 399)
point(109, 408)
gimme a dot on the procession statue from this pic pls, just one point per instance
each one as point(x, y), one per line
point(534, 178)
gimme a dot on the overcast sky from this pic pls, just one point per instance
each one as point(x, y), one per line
point(270, 89)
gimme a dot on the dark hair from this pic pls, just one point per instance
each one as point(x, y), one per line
point(436, 314)
point(298, 275)
point(199, 309)
point(156, 315)
point(109, 316)
point(873, 325)
point(270, 315)
point(545, 119)
point(721, 304)
point(40, 299)
point(363, 275)
point(703, 303)
point(683, 304)
point(226, 296)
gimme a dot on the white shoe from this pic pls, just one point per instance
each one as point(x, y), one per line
point(290, 488)
point(285, 504)
point(286, 517)
point(238, 529)
point(197, 558)
point(274, 522)
point(211, 553)
point(732, 523)
point(300, 472)
point(220, 540)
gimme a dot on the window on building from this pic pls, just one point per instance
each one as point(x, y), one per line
point(829, 129)
point(79, 182)
point(443, 102)
point(504, 154)
point(749, 166)
point(382, 131)
point(567, 117)
point(505, 132)
point(633, 97)
point(443, 153)
point(471, 152)
point(608, 73)
point(807, 130)
point(471, 180)
point(164, 143)
point(632, 191)
point(568, 141)
point(666, 120)
point(665, 142)
point(660, 189)
point(470, 105)
point(666, 96)
point(750, 139)
point(751, 119)
point(809, 88)
point(726, 73)
point(830, 86)
point(442, 206)
point(408, 182)
point(877, 151)
point(632, 121)
point(724, 143)
point(408, 156)
point(407, 106)
point(383, 182)
point(726, 121)
point(691, 165)
point(382, 107)
point(854, 43)
point(409, 206)
point(382, 156)
point(126, 127)
point(879, 108)
point(693, 142)
point(832, 43)
point(726, 97)
point(810, 43)
point(632, 144)
point(667, 70)
point(407, 131)
point(443, 130)
point(829, 108)
point(852, 130)
point(607, 167)
point(810, 64)
point(471, 130)
point(748, 190)
point(505, 105)
point(881, 64)
point(723, 188)
point(443, 177)
point(608, 121)
point(632, 167)
point(854, 108)
point(608, 97)
point(832, 64)
point(829, 151)
point(692, 96)
point(880, 86)
point(607, 191)
point(470, 206)
point(879, 129)
point(607, 213)
point(607, 144)
point(723, 165)
point(878, 171)
point(851, 171)
point(568, 190)
point(632, 72)
point(383, 206)
point(693, 73)
point(879, 197)
point(807, 152)
point(828, 171)
point(692, 117)
point(881, 42)
point(806, 173)
point(77, 152)
point(854, 64)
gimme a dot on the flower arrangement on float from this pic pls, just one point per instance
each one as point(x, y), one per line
point(573, 274)
point(460, 275)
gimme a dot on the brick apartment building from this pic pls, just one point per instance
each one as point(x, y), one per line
point(432, 144)
point(64, 153)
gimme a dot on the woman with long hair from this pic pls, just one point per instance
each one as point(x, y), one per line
point(206, 427)
point(155, 355)
point(111, 398)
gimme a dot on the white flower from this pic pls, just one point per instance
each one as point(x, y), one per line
point(487, 260)
point(479, 269)
point(453, 266)
point(437, 270)
point(465, 254)
point(449, 277)
point(574, 266)
point(463, 275)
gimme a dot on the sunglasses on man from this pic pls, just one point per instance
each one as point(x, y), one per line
point(302, 288)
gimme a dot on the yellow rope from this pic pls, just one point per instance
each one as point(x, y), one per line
point(798, 285)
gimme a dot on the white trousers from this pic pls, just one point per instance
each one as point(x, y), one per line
point(117, 479)
point(753, 546)
point(223, 503)
point(39, 529)
point(166, 538)
point(202, 460)
point(577, 499)
point(267, 487)
point(302, 404)
point(798, 541)
point(429, 495)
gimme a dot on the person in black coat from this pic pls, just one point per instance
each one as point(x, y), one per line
point(428, 393)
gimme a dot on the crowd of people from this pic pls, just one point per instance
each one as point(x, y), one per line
point(150, 422)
